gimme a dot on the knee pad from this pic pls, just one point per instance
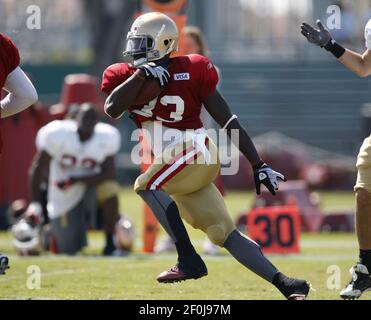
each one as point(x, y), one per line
point(218, 234)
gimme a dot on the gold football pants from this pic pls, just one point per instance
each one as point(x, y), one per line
point(183, 172)
point(364, 166)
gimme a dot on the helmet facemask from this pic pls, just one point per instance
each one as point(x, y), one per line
point(139, 50)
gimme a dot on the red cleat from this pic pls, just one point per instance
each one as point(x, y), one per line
point(175, 274)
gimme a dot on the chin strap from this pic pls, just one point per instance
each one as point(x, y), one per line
point(171, 47)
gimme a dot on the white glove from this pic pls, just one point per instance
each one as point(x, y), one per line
point(155, 71)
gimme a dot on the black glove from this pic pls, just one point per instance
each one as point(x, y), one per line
point(263, 174)
point(320, 37)
point(156, 71)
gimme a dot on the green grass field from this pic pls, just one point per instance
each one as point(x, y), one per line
point(89, 276)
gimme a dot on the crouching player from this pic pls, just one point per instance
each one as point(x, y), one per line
point(80, 158)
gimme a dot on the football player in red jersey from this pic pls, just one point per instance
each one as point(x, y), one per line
point(180, 180)
point(22, 94)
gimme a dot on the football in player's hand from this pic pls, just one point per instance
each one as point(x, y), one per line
point(150, 90)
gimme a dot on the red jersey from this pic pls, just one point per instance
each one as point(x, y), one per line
point(9, 60)
point(193, 79)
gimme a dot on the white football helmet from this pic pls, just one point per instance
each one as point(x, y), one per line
point(124, 235)
point(151, 37)
point(26, 238)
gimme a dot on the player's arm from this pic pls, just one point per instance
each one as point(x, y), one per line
point(360, 64)
point(123, 96)
point(220, 111)
point(39, 165)
point(108, 172)
point(22, 93)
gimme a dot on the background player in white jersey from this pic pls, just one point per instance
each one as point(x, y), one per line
point(360, 64)
point(80, 157)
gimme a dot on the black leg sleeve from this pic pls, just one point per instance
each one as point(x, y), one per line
point(167, 213)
